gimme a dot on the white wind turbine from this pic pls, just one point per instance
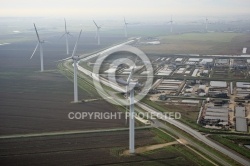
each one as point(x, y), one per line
point(75, 59)
point(130, 89)
point(67, 35)
point(40, 44)
point(125, 28)
point(97, 32)
point(206, 23)
point(171, 22)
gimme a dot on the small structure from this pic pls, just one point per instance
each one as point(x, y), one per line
point(243, 84)
point(202, 94)
point(244, 50)
point(203, 87)
point(218, 84)
point(178, 59)
point(194, 59)
point(240, 112)
point(241, 121)
point(195, 72)
point(241, 124)
point(206, 61)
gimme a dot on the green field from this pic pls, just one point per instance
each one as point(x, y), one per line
point(212, 37)
point(200, 43)
point(234, 142)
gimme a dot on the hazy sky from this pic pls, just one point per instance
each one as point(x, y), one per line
point(112, 9)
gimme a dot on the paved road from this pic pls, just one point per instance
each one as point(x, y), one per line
point(100, 79)
point(159, 124)
point(106, 50)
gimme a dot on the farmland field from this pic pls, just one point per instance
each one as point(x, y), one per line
point(33, 102)
point(200, 43)
point(92, 149)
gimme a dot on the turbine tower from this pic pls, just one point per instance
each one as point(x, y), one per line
point(40, 44)
point(75, 59)
point(67, 35)
point(97, 32)
point(130, 89)
point(171, 22)
point(206, 23)
point(129, 77)
point(125, 28)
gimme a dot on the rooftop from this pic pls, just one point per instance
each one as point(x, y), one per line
point(220, 84)
point(243, 84)
point(240, 112)
point(241, 124)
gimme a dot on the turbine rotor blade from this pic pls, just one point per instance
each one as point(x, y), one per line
point(130, 75)
point(74, 51)
point(65, 26)
point(70, 35)
point(62, 35)
point(95, 24)
point(35, 50)
point(37, 33)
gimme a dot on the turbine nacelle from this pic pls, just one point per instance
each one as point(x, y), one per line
point(125, 22)
point(76, 58)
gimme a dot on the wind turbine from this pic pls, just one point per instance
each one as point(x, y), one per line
point(206, 23)
point(40, 44)
point(171, 22)
point(130, 89)
point(75, 59)
point(125, 28)
point(67, 34)
point(131, 86)
point(97, 32)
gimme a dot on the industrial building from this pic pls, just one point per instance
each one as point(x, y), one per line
point(240, 119)
point(222, 62)
point(241, 124)
point(242, 89)
point(206, 61)
point(195, 72)
point(218, 84)
point(170, 85)
point(215, 116)
point(240, 111)
point(165, 71)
